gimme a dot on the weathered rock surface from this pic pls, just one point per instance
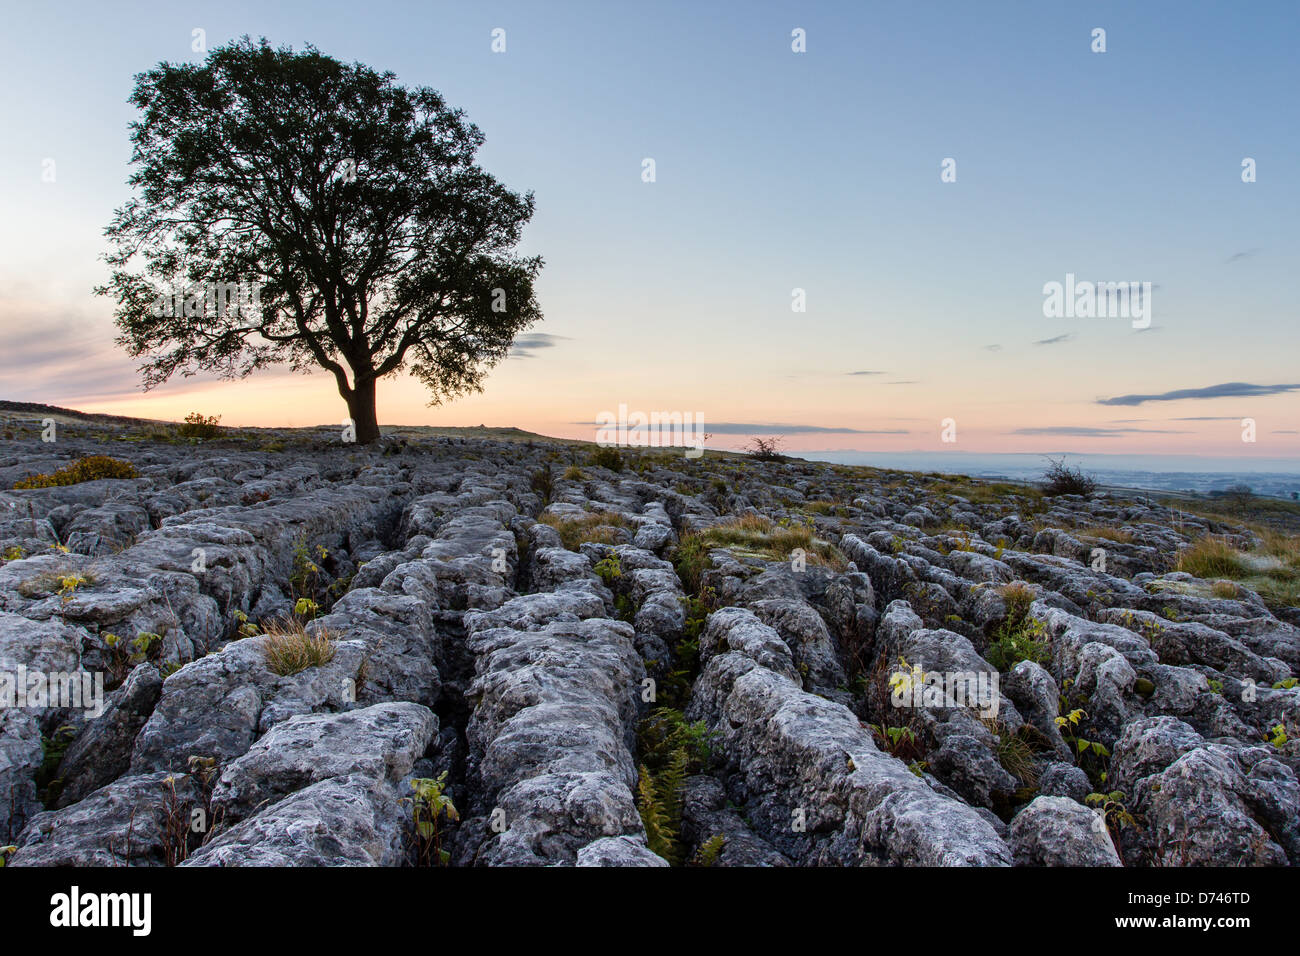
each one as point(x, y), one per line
point(503, 618)
point(1056, 831)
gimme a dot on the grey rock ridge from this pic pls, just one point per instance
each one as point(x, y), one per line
point(491, 651)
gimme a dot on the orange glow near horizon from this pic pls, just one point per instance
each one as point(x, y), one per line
point(282, 399)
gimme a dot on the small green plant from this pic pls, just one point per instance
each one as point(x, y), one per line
point(708, 852)
point(609, 569)
point(142, 644)
point(1278, 736)
point(243, 626)
point(6, 852)
point(574, 473)
point(697, 612)
point(686, 650)
point(1286, 684)
point(14, 553)
point(306, 608)
point(1116, 815)
point(124, 655)
point(68, 585)
point(430, 807)
point(1019, 637)
point(305, 578)
point(1071, 719)
point(1091, 755)
point(691, 561)
point(897, 741)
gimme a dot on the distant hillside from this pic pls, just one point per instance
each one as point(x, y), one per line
point(38, 410)
point(35, 411)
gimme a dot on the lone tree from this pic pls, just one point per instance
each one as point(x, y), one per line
point(294, 209)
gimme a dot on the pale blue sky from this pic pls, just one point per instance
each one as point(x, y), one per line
point(775, 170)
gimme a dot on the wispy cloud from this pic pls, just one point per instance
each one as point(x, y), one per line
point(750, 428)
point(1080, 431)
point(864, 373)
point(62, 357)
point(526, 346)
point(1226, 390)
point(779, 428)
point(1238, 256)
point(992, 348)
point(1056, 339)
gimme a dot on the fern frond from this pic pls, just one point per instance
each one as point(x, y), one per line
point(653, 816)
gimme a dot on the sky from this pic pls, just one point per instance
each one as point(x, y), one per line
point(775, 171)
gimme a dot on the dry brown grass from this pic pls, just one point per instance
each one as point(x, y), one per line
point(291, 649)
point(1118, 535)
point(594, 526)
point(760, 537)
point(1212, 557)
point(1272, 571)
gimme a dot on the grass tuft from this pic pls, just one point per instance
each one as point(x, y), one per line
point(756, 536)
point(291, 649)
point(594, 526)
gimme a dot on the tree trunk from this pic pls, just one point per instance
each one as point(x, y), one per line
point(363, 411)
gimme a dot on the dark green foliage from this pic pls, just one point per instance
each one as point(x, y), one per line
point(691, 561)
point(671, 749)
point(1019, 637)
point(542, 481)
point(709, 851)
point(351, 205)
point(48, 786)
point(686, 650)
point(607, 457)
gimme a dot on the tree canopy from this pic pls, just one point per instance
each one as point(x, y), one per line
point(294, 209)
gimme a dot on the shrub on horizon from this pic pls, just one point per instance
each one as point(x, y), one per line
point(1061, 479)
point(200, 427)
